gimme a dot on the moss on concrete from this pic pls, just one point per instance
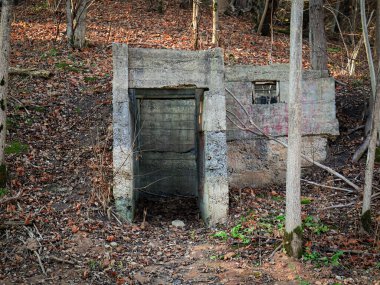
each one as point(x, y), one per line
point(293, 242)
point(366, 221)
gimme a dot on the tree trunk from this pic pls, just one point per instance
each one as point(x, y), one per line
point(293, 223)
point(215, 22)
point(195, 23)
point(76, 11)
point(366, 209)
point(377, 49)
point(318, 56)
point(261, 24)
point(5, 40)
point(80, 27)
point(69, 18)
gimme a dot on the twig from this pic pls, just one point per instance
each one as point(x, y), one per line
point(340, 82)
point(40, 262)
point(355, 129)
point(11, 199)
point(274, 251)
point(116, 218)
point(361, 150)
point(326, 186)
point(352, 251)
point(52, 257)
point(34, 251)
point(339, 206)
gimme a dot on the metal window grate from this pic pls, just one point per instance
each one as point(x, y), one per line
point(265, 92)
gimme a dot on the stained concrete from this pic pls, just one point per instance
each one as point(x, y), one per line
point(252, 159)
point(136, 68)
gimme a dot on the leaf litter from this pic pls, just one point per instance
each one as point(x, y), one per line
point(63, 172)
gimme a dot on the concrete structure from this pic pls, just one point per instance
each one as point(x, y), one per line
point(254, 161)
point(136, 70)
point(170, 125)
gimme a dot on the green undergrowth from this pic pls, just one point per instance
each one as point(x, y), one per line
point(15, 147)
point(248, 227)
point(320, 260)
point(3, 191)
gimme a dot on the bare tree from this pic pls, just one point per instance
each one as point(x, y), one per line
point(317, 38)
point(366, 209)
point(293, 222)
point(76, 13)
point(5, 39)
point(195, 23)
point(215, 21)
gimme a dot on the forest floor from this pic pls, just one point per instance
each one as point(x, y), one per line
point(60, 230)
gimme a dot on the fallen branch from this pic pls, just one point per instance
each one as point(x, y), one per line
point(52, 257)
point(326, 186)
point(274, 251)
point(32, 72)
point(351, 251)
point(355, 129)
point(339, 206)
point(361, 150)
point(11, 199)
point(270, 137)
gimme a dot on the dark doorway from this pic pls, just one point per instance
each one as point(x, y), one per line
point(166, 133)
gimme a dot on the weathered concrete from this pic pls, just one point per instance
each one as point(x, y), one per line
point(256, 161)
point(123, 185)
point(252, 160)
point(167, 69)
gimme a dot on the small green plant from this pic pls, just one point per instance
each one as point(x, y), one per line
point(334, 49)
point(15, 147)
point(335, 258)
point(280, 219)
point(3, 191)
point(277, 198)
point(319, 260)
point(66, 66)
point(221, 235)
point(316, 226)
point(301, 281)
point(310, 255)
point(90, 79)
point(238, 233)
point(306, 201)
point(39, 109)
point(93, 264)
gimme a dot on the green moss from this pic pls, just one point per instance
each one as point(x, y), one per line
point(366, 221)
point(3, 176)
point(293, 241)
point(215, 6)
point(2, 105)
point(306, 201)
point(3, 191)
point(15, 148)
point(377, 155)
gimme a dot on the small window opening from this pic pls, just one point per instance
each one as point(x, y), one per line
point(265, 92)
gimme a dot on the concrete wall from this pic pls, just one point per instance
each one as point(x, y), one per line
point(136, 68)
point(254, 161)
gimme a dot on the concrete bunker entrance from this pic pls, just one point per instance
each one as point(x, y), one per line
point(167, 143)
point(204, 173)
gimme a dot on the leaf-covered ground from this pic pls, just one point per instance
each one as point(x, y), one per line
point(60, 231)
